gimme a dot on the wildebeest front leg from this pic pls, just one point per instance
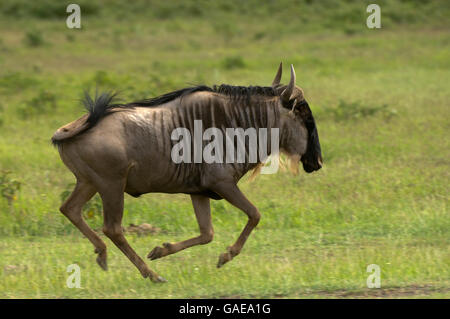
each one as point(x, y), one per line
point(234, 196)
point(202, 211)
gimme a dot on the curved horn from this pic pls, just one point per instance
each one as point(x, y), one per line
point(277, 79)
point(286, 95)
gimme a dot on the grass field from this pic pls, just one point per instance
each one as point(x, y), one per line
point(381, 102)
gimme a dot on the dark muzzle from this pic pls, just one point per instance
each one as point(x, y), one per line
point(310, 165)
point(312, 159)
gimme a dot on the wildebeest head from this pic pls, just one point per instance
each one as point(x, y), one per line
point(301, 139)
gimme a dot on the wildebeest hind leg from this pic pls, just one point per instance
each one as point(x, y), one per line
point(72, 210)
point(203, 214)
point(231, 193)
point(112, 196)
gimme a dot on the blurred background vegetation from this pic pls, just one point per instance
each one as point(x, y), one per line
point(381, 102)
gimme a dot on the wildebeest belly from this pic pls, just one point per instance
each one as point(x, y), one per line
point(166, 178)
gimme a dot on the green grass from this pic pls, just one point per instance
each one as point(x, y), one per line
point(381, 102)
point(275, 263)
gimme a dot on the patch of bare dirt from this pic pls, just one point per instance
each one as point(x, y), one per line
point(14, 269)
point(394, 292)
point(142, 229)
point(382, 293)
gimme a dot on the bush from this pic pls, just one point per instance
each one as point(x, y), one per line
point(42, 103)
point(70, 37)
point(9, 187)
point(34, 38)
point(17, 81)
point(102, 79)
point(44, 9)
point(355, 110)
point(233, 62)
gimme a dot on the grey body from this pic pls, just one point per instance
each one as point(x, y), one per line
point(137, 142)
point(129, 150)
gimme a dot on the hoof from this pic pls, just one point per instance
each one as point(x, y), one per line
point(158, 279)
point(223, 259)
point(101, 259)
point(159, 252)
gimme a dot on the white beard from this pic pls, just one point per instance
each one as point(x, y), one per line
point(290, 163)
point(287, 163)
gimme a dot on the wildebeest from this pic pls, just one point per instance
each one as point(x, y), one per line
point(126, 148)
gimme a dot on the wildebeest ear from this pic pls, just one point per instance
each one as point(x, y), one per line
point(277, 79)
point(286, 95)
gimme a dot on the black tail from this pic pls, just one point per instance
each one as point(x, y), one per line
point(98, 108)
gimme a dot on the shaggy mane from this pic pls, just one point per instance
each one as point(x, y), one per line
point(230, 90)
point(104, 104)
